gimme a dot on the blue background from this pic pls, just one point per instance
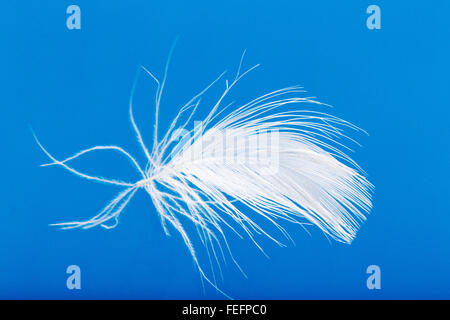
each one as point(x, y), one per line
point(72, 88)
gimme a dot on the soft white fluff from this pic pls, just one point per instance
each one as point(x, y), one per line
point(298, 173)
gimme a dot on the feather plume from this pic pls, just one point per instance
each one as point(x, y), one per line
point(270, 155)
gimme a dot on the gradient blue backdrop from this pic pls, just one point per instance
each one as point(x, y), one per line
point(72, 88)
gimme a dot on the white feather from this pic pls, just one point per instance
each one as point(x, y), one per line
point(299, 174)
